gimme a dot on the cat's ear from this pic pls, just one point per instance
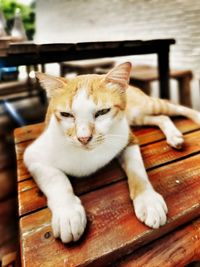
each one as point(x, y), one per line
point(52, 85)
point(120, 74)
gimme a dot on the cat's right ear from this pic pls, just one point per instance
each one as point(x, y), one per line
point(53, 85)
point(120, 74)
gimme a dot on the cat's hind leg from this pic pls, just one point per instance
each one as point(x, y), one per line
point(164, 107)
point(173, 135)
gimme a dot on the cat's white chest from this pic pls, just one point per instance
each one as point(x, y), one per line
point(79, 162)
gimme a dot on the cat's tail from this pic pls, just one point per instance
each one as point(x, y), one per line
point(164, 107)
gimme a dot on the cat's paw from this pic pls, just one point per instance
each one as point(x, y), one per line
point(150, 208)
point(175, 139)
point(69, 221)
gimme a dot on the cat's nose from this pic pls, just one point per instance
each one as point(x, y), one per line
point(85, 140)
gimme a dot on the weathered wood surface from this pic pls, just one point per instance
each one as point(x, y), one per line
point(154, 155)
point(113, 230)
point(30, 47)
point(30, 132)
point(177, 249)
point(145, 135)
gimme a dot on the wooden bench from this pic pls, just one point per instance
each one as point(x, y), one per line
point(142, 76)
point(84, 66)
point(113, 231)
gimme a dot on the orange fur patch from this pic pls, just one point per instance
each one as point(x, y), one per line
point(132, 139)
point(71, 132)
point(136, 184)
point(96, 88)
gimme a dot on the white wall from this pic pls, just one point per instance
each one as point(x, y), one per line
point(97, 20)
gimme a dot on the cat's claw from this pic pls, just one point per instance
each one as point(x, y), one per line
point(150, 208)
point(69, 222)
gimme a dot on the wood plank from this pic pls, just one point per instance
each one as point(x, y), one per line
point(29, 132)
point(178, 248)
point(55, 47)
point(112, 221)
point(28, 190)
point(146, 134)
point(154, 155)
point(25, 47)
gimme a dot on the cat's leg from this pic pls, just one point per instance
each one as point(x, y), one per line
point(173, 135)
point(150, 206)
point(68, 214)
point(192, 114)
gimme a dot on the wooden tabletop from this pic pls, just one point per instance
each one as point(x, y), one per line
point(113, 231)
point(29, 53)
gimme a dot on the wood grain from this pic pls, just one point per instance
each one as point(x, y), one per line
point(178, 248)
point(145, 136)
point(112, 222)
point(29, 132)
point(154, 155)
point(28, 190)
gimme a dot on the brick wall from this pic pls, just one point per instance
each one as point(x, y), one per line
point(90, 20)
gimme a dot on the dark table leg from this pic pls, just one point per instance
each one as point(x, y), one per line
point(163, 70)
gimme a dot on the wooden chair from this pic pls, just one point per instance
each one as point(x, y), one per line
point(113, 231)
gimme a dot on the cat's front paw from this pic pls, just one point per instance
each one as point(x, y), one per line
point(175, 139)
point(69, 221)
point(150, 208)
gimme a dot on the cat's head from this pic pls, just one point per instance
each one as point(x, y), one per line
point(87, 107)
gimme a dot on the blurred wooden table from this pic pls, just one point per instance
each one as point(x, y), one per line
point(29, 53)
point(113, 231)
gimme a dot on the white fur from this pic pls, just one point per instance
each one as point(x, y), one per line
point(54, 154)
point(71, 159)
point(150, 208)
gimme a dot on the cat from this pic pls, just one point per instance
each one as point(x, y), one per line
point(87, 125)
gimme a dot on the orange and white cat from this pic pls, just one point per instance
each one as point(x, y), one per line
point(87, 125)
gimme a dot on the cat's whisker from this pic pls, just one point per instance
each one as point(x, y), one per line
point(115, 135)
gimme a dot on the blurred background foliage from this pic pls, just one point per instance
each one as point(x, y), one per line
point(27, 11)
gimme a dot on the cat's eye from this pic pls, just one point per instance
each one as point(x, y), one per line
point(102, 112)
point(66, 114)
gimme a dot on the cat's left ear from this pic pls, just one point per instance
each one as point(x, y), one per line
point(120, 74)
point(53, 85)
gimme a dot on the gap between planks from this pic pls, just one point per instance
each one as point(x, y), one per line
point(112, 221)
point(157, 134)
point(112, 173)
